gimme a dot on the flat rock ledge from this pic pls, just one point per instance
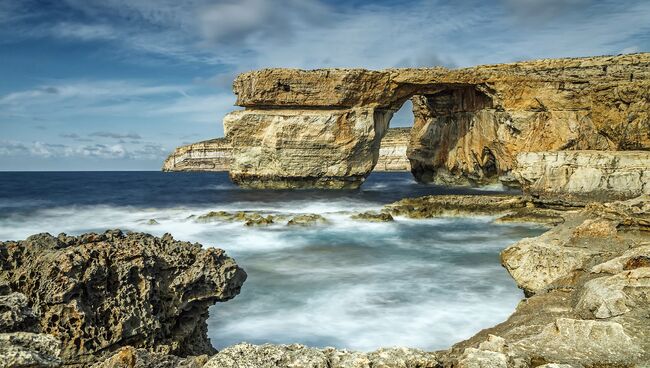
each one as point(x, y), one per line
point(76, 300)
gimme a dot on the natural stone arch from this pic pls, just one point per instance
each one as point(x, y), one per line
point(323, 128)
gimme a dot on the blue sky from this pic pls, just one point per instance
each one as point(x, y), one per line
point(117, 84)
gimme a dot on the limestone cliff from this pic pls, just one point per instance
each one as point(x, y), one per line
point(211, 155)
point(584, 175)
point(216, 154)
point(324, 127)
point(392, 153)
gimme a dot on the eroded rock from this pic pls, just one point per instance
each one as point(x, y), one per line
point(584, 175)
point(98, 292)
point(323, 128)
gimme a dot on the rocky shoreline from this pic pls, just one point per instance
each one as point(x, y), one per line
point(134, 300)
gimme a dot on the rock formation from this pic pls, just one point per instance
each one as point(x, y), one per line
point(211, 155)
point(392, 153)
point(98, 292)
point(216, 154)
point(324, 127)
point(587, 283)
point(584, 175)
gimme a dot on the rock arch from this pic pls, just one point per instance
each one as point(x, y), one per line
point(323, 128)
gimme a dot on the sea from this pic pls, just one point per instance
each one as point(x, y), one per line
point(347, 284)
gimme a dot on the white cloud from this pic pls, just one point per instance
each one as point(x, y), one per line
point(40, 149)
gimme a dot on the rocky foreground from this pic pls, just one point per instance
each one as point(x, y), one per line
point(134, 300)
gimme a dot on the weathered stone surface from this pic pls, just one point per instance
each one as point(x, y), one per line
point(584, 175)
point(15, 314)
point(98, 292)
point(216, 154)
point(373, 216)
point(304, 148)
point(307, 219)
point(129, 357)
point(392, 153)
point(294, 356)
point(323, 127)
point(211, 155)
point(26, 349)
point(455, 205)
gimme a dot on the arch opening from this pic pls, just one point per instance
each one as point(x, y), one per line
point(452, 139)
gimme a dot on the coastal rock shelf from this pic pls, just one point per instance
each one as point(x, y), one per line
point(216, 154)
point(323, 128)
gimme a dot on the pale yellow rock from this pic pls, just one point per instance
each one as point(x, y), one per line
point(612, 296)
point(584, 174)
point(211, 155)
point(469, 125)
point(584, 342)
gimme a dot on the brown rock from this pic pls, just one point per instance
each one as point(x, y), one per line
point(98, 292)
point(323, 128)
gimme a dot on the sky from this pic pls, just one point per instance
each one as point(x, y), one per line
point(117, 84)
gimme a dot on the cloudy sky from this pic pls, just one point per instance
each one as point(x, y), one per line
point(117, 84)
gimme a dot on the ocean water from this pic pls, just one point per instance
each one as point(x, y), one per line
point(348, 284)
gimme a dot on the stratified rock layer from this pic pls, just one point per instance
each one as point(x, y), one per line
point(584, 175)
point(211, 155)
point(392, 153)
point(323, 127)
point(98, 292)
point(216, 154)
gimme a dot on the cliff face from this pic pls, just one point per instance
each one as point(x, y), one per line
point(392, 153)
point(216, 154)
point(324, 127)
point(211, 155)
point(584, 175)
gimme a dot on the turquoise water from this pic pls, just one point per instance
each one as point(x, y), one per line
point(358, 285)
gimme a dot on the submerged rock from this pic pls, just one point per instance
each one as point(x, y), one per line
point(373, 216)
point(98, 292)
point(455, 205)
point(307, 219)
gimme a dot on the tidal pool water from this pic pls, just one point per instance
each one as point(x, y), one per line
point(347, 284)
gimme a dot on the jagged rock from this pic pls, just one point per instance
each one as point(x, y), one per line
point(26, 349)
point(16, 315)
point(248, 218)
point(323, 128)
point(211, 155)
point(454, 205)
point(307, 220)
point(98, 292)
point(373, 216)
point(290, 356)
point(258, 220)
point(584, 175)
point(129, 357)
